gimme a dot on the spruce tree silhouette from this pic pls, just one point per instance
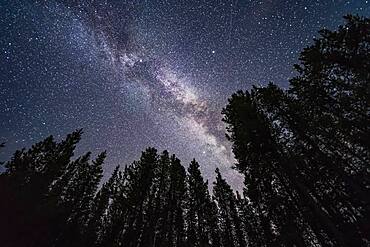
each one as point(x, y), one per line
point(230, 221)
point(308, 147)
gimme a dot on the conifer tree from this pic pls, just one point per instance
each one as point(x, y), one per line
point(305, 147)
point(231, 224)
point(96, 224)
point(139, 180)
point(115, 216)
point(176, 195)
point(200, 227)
point(39, 191)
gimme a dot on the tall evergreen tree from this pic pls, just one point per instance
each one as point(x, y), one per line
point(305, 147)
point(38, 184)
point(201, 229)
point(115, 216)
point(139, 180)
point(96, 223)
point(176, 194)
point(231, 224)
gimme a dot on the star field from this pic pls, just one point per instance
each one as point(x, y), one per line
point(135, 74)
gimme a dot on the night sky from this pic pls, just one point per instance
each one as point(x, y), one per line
point(135, 74)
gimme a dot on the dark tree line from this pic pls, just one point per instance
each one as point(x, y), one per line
point(48, 199)
point(304, 153)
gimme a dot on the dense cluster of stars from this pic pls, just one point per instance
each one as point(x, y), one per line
point(147, 73)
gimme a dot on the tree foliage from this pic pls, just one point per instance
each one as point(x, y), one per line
point(305, 151)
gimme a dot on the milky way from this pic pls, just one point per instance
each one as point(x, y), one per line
point(135, 74)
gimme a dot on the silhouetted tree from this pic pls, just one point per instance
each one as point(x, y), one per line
point(303, 151)
point(230, 220)
point(48, 191)
point(96, 223)
point(201, 228)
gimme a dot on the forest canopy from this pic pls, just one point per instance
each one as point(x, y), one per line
point(304, 153)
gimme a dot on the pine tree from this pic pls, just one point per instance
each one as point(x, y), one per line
point(304, 150)
point(231, 224)
point(139, 180)
point(176, 195)
point(200, 230)
point(264, 162)
point(96, 224)
point(35, 178)
point(337, 66)
point(115, 216)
